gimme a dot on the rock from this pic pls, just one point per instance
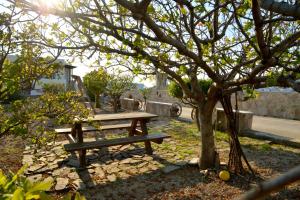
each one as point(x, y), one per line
point(35, 178)
point(27, 148)
point(27, 159)
point(51, 158)
point(112, 178)
point(73, 163)
point(96, 165)
point(143, 170)
point(79, 185)
point(124, 147)
point(43, 170)
point(113, 170)
point(170, 155)
point(133, 161)
point(147, 158)
point(35, 167)
point(142, 165)
point(194, 161)
point(126, 161)
point(99, 172)
point(170, 168)
point(204, 172)
point(132, 171)
point(137, 156)
point(59, 151)
point(61, 183)
point(91, 171)
point(73, 175)
point(123, 175)
point(153, 167)
point(61, 172)
point(53, 166)
point(43, 159)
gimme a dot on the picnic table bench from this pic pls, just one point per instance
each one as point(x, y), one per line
point(138, 119)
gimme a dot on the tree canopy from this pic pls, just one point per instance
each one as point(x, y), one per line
point(236, 44)
point(96, 82)
point(116, 86)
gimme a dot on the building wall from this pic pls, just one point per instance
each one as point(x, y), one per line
point(58, 78)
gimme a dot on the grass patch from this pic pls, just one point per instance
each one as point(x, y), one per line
point(265, 147)
point(221, 136)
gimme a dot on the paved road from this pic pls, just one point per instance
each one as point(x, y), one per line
point(276, 126)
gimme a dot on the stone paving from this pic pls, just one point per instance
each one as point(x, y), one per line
point(105, 165)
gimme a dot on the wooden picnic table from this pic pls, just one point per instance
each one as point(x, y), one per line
point(134, 134)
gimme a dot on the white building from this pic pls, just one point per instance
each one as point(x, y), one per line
point(62, 76)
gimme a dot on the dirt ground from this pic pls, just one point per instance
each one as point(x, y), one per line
point(268, 160)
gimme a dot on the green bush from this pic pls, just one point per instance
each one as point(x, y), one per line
point(176, 91)
point(54, 88)
point(18, 187)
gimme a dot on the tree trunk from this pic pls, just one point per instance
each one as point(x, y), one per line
point(208, 156)
point(235, 163)
point(115, 104)
point(97, 102)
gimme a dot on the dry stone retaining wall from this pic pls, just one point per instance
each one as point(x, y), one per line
point(272, 104)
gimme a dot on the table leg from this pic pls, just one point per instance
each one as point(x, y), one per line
point(73, 131)
point(82, 153)
point(145, 132)
point(133, 127)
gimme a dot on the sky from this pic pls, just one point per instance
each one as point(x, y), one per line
point(82, 69)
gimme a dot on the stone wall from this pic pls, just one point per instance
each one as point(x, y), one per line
point(155, 95)
point(274, 104)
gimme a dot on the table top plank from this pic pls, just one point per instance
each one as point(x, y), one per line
point(121, 116)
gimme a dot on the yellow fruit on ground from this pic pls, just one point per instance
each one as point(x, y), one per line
point(224, 175)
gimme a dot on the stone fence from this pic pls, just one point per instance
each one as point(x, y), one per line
point(155, 95)
point(272, 104)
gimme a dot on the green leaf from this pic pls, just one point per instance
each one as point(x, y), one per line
point(18, 194)
point(150, 9)
point(30, 196)
point(40, 186)
point(68, 197)
point(79, 197)
point(3, 179)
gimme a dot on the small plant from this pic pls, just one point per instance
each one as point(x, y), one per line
point(145, 92)
point(18, 187)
